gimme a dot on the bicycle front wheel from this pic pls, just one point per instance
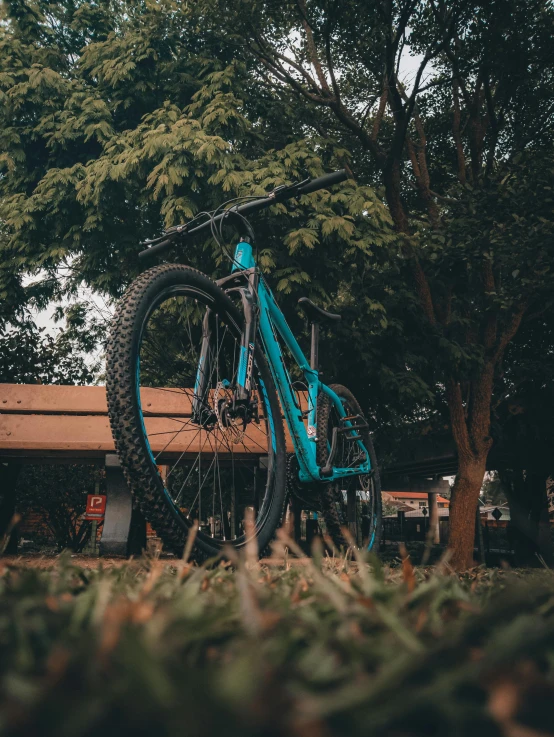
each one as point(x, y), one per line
point(207, 469)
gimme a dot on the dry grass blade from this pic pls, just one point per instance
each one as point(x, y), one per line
point(251, 547)
point(407, 568)
point(191, 537)
point(331, 545)
point(249, 605)
point(327, 585)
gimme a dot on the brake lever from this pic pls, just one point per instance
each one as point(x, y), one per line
point(170, 232)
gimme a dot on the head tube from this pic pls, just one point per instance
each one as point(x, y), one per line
point(244, 258)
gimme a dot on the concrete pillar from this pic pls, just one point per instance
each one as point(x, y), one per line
point(124, 530)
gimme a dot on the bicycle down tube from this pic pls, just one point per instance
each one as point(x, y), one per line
point(270, 317)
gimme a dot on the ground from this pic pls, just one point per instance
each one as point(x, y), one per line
point(319, 648)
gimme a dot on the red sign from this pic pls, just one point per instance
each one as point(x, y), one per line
point(96, 506)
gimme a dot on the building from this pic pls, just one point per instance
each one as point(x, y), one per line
point(415, 500)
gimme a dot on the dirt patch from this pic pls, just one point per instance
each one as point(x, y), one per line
point(44, 562)
point(90, 562)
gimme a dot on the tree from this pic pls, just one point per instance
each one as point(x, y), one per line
point(457, 155)
point(121, 118)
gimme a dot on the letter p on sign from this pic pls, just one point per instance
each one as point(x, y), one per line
point(96, 506)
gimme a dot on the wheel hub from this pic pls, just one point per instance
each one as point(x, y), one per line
point(232, 420)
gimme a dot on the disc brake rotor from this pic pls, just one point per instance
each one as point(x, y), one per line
point(232, 425)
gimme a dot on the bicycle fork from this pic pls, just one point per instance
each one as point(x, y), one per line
point(210, 356)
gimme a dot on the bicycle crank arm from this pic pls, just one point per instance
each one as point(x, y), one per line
point(356, 424)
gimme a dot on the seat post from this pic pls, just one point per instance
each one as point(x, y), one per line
point(314, 354)
point(315, 315)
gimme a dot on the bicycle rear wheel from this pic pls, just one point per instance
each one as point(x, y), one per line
point(353, 502)
point(184, 470)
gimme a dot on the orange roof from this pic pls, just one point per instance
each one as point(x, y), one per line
point(414, 495)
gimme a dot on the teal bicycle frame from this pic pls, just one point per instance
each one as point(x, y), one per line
point(271, 321)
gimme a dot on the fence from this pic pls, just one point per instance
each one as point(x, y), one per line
point(496, 540)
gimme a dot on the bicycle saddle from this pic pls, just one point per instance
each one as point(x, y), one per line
point(315, 313)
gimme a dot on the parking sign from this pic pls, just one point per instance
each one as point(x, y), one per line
point(96, 506)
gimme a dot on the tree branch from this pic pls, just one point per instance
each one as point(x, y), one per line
point(449, 53)
point(419, 163)
point(405, 117)
point(380, 113)
point(490, 320)
point(457, 135)
point(268, 56)
point(269, 53)
point(278, 71)
point(367, 110)
point(312, 49)
point(329, 59)
point(423, 290)
point(403, 19)
point(510, 330)
point(493, 123)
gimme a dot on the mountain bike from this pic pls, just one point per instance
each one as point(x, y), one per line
point(198, 387)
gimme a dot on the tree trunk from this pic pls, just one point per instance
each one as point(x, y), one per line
point(463, 506)
point(392, 178)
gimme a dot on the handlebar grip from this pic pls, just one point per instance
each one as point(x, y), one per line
point(325, 181)
point(255, 205)
point(153, 250)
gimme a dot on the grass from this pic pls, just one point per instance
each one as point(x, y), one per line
point(320, 650)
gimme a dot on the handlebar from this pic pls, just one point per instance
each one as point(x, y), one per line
point(327, 180)
point(280, 194)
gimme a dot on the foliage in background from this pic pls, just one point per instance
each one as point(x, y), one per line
point(493, 490)
point(390, 508)
point(59, 494)
point(30, 355)
point(138, 649)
